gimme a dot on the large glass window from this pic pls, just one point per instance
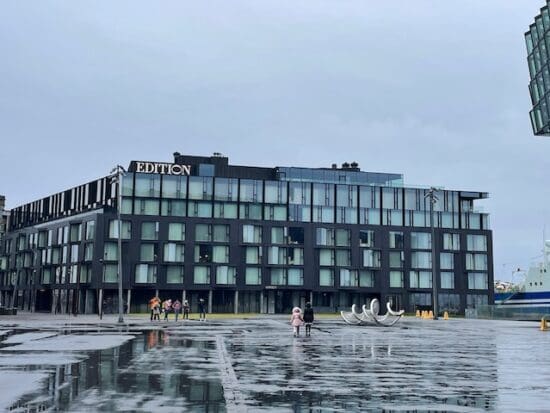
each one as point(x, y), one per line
point(147, 185)
point(220, 254)
point(176, 231)
point(421, 240)
point(277, 235)
point(90, 230)
point(278, 276)
point(343, 238)
point(325, 236)
point(110, 251)
point(200, 187)
point(253, 255)
point(172, 208)
point(451, 242)
point(447, 280)
point(343, 258)
point(348, 278)
point(251, 190)
point(250, 211)
point(174, 274)
point(221, 233)
point(366, 238)
point(226, 189)
point(397, 259)
point(110, 273)
point(148, 252)
point(203, 233)
point(201, 275)
point(396, 239)
point(200, 209)
point(225, 210)
point(476, 300)
point(326, 257)
point(478, 281)
point(126, 229)
point(275, 192)
point(76, 232)
point(252, 234)
point(300, 201)
point(446, 261)
point(174, 186)
point(295, 276)
point(146, 206)
point(295, 256)
point(203, 253)
point(326, 277)
point(397, 279)
point(421, 259)
point(420, 279)
point(296, 235)
point(366, 278)
point(149, 231)
point(174, 252)
point(476, 242)
point(253, 276)
point(225, 275)
point(88, 251)
point(276, 255)
point(371, 258)
point(146, 274)
point(275, 213)
point(477, 262)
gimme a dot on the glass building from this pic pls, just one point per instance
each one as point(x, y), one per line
point(247, 239)
point(538, 46)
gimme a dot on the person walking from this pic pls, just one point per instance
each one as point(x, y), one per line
point(152, 304)
point(202, 310)
point(308, 318)
point(156, 311)
point(167, 306)
point(296, 320)
point(177, 308)
point(186, 310)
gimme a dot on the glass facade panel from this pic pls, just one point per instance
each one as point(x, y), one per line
point(421, 259)
point(396, 279)
point(451, 242)
point(149, 230)
point(366, 278)
point(253, 276)
point(421, 240)
point(476, 242)
point(371, 258)
point(278, 235)
point(226, 189)
point(200, 188)
point(396, 239)
point(348, 278)
point(174, 186)
point(326, 277)
point(446, 261)
point(147, 185)
point(343, 258)
point(225, 210)
point(478, 281)
point(174, 274)
point(146, 274)
point(448, 280)
point(420, 279)
point(174, 252)
point(252, 234)
point(176, 231)
point(201, 275)
point(225, 275)
point(172, 208)
point(276, 192)
point(203, 232)
point(397, 259)
point(295, 276)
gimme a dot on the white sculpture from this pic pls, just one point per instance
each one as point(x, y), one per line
point(370, 316)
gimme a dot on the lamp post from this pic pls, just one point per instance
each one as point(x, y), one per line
point(433, 199)
point(118, 172)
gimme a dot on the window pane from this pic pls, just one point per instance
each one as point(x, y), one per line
point(203, 232)
point(221, 233)
point(149, 230)
point(295, 276)
point(174, 186)
point(176, 231)
point(201, 275)
point(326, 277)
point(253, 276)
point(396, 279)
point(174, 274)
point(421, 240)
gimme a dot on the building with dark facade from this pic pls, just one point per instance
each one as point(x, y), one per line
point(247, 239)
point(538, 49)
point(3, 216)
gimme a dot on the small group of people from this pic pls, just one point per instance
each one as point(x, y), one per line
point(158, 307)
point(297, 319)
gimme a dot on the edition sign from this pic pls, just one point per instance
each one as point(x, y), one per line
point(163, 168)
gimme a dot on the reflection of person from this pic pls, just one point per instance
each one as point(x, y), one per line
point(296, 320)
point(177, 308)
point(202, 310)
point(186, 310)
point(308, 318)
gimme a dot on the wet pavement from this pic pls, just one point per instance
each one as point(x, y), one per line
point(257, 365)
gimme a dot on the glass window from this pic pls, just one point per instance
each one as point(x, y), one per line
point(326, 277)
point(276, 192)
point(251, 190)
point(225, 275)
point(396, 239)
point(326, 257)
point(110, 251)
point(451, 242)
point(146, 274)
point(90, 230)
point(396, 279)
point(126, 207)
point(225, 210)
point(276, 255)
point(446, 261)
point(203, 233)
point(300, 193)
point(371, 258)
point(295, 256)
point(126, 229)
point(174, 186)
point(147, 185)
point(146, 206)
point(476, 242)
point(420, 279)
point(250, 211)
point(201, 275)
point(226, 189)
point(128, 184)
point(253, 255)
point(346, 195)
point(176, 231)
point(323, 214)
point(397, 259)
point(252, 234)
point(277, 235)
point(325, 236)
point(478, 281)
point(421, 259)
point(200, 209)
point(476, 300)
point(366, 278)
point(203, 253)
point(149, 230)
point(253, 276)
point(278, 276)
point(110, 273)
point(275, 213)
point(295, 276)
point(343, 258)
point(366, 238)
point(74, 253)
point(148, 252)
point(348, 278)
point(88, 251)
point(200, 187)
point(220, 254)
point(421, 240)
point(323, 194)
point(369, 196)
point(172, 208)
point(296, 235)
point(449, 302)
point(76, 232)
point(174, 274)
point(476, 262)
point(174, 252)
point(448, 280)
point(343, 238)
point(221, 233)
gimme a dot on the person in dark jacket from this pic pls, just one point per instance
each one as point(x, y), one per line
point(308, 318)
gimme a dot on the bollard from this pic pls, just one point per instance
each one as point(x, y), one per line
point(431, 315)
point(543, 325)
point(418, 313)
point(445, 315)
point(423, 314)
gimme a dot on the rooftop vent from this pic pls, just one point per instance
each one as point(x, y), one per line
point(354, 165)
point(345, 165)
point(217, 155)
point(334, 166)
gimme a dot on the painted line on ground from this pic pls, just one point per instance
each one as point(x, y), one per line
point(234, 400)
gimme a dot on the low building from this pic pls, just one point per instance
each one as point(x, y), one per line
point(247, 239)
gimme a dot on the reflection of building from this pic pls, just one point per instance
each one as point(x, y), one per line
point(249, 239)
point(3, 216)
point(538, 59)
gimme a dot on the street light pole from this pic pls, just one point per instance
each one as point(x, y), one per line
point(433, 199)
point(119, 172)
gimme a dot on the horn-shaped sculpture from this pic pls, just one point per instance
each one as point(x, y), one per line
point(370, 316)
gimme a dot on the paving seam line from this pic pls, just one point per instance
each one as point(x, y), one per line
point(233, 398)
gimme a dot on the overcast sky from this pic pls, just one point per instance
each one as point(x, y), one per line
point(433, 89)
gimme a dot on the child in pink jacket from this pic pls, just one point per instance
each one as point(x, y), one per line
point(296, 320)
